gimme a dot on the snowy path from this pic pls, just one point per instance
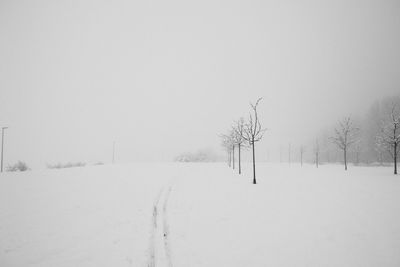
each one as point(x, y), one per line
point(93, 216)
point(160, 250)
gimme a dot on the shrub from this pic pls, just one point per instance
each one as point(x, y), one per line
point(199, 156)
point(66, 165)
point(19, 166)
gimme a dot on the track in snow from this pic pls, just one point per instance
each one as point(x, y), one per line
point(160, 249)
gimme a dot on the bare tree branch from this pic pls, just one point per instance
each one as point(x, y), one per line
point(345, 136)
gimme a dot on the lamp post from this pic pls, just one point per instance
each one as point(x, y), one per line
point(2, 146)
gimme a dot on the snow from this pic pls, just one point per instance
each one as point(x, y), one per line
point(200, 214)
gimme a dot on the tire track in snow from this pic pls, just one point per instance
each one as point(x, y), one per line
point(159, 250)
point(167, 246)
point(152, 248)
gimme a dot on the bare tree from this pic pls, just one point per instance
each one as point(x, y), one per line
point(253, 132)
point(316, 151)
point(344, 137)
point(238, 138)
point(233, 144)
point(227, 145)
point(357, 152)
point(389, 137)
point(380, 148)
point(301, 155)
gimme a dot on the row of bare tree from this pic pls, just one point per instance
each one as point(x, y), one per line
point(244, 134)
point(347, 136)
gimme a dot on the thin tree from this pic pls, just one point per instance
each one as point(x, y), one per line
point(233, 144)
point(357, 151)
point(345, 136)
point(380, 148)
point(238, 130)
point(316, 151)
point(328, 156)
point(227, 145)
point(301, 155)
point(253, 132)
point(389, 137)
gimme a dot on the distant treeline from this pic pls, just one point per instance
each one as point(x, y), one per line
point(368, 149)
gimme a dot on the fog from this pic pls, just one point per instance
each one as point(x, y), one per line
point(164, 77)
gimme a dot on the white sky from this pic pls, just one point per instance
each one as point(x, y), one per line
point(162, 77)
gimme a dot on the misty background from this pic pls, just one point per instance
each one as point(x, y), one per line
point(164, 77)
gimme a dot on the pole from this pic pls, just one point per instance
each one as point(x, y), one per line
point(2, 146)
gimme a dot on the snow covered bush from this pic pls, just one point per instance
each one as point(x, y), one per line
point(19, 166)
point(199, 156)
point(66, 165)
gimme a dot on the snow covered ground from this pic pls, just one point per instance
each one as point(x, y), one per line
point(200, 215)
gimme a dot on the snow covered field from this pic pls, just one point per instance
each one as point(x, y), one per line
point(200, 215)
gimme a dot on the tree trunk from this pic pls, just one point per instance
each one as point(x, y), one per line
point(357, 157)
point(316, 159)
point(254, 164)
point(233, 157)
point(240, 167)
point(395, 157)
point(301, 158)
point(2, 145)
point(345, 159)
point(229, 158)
